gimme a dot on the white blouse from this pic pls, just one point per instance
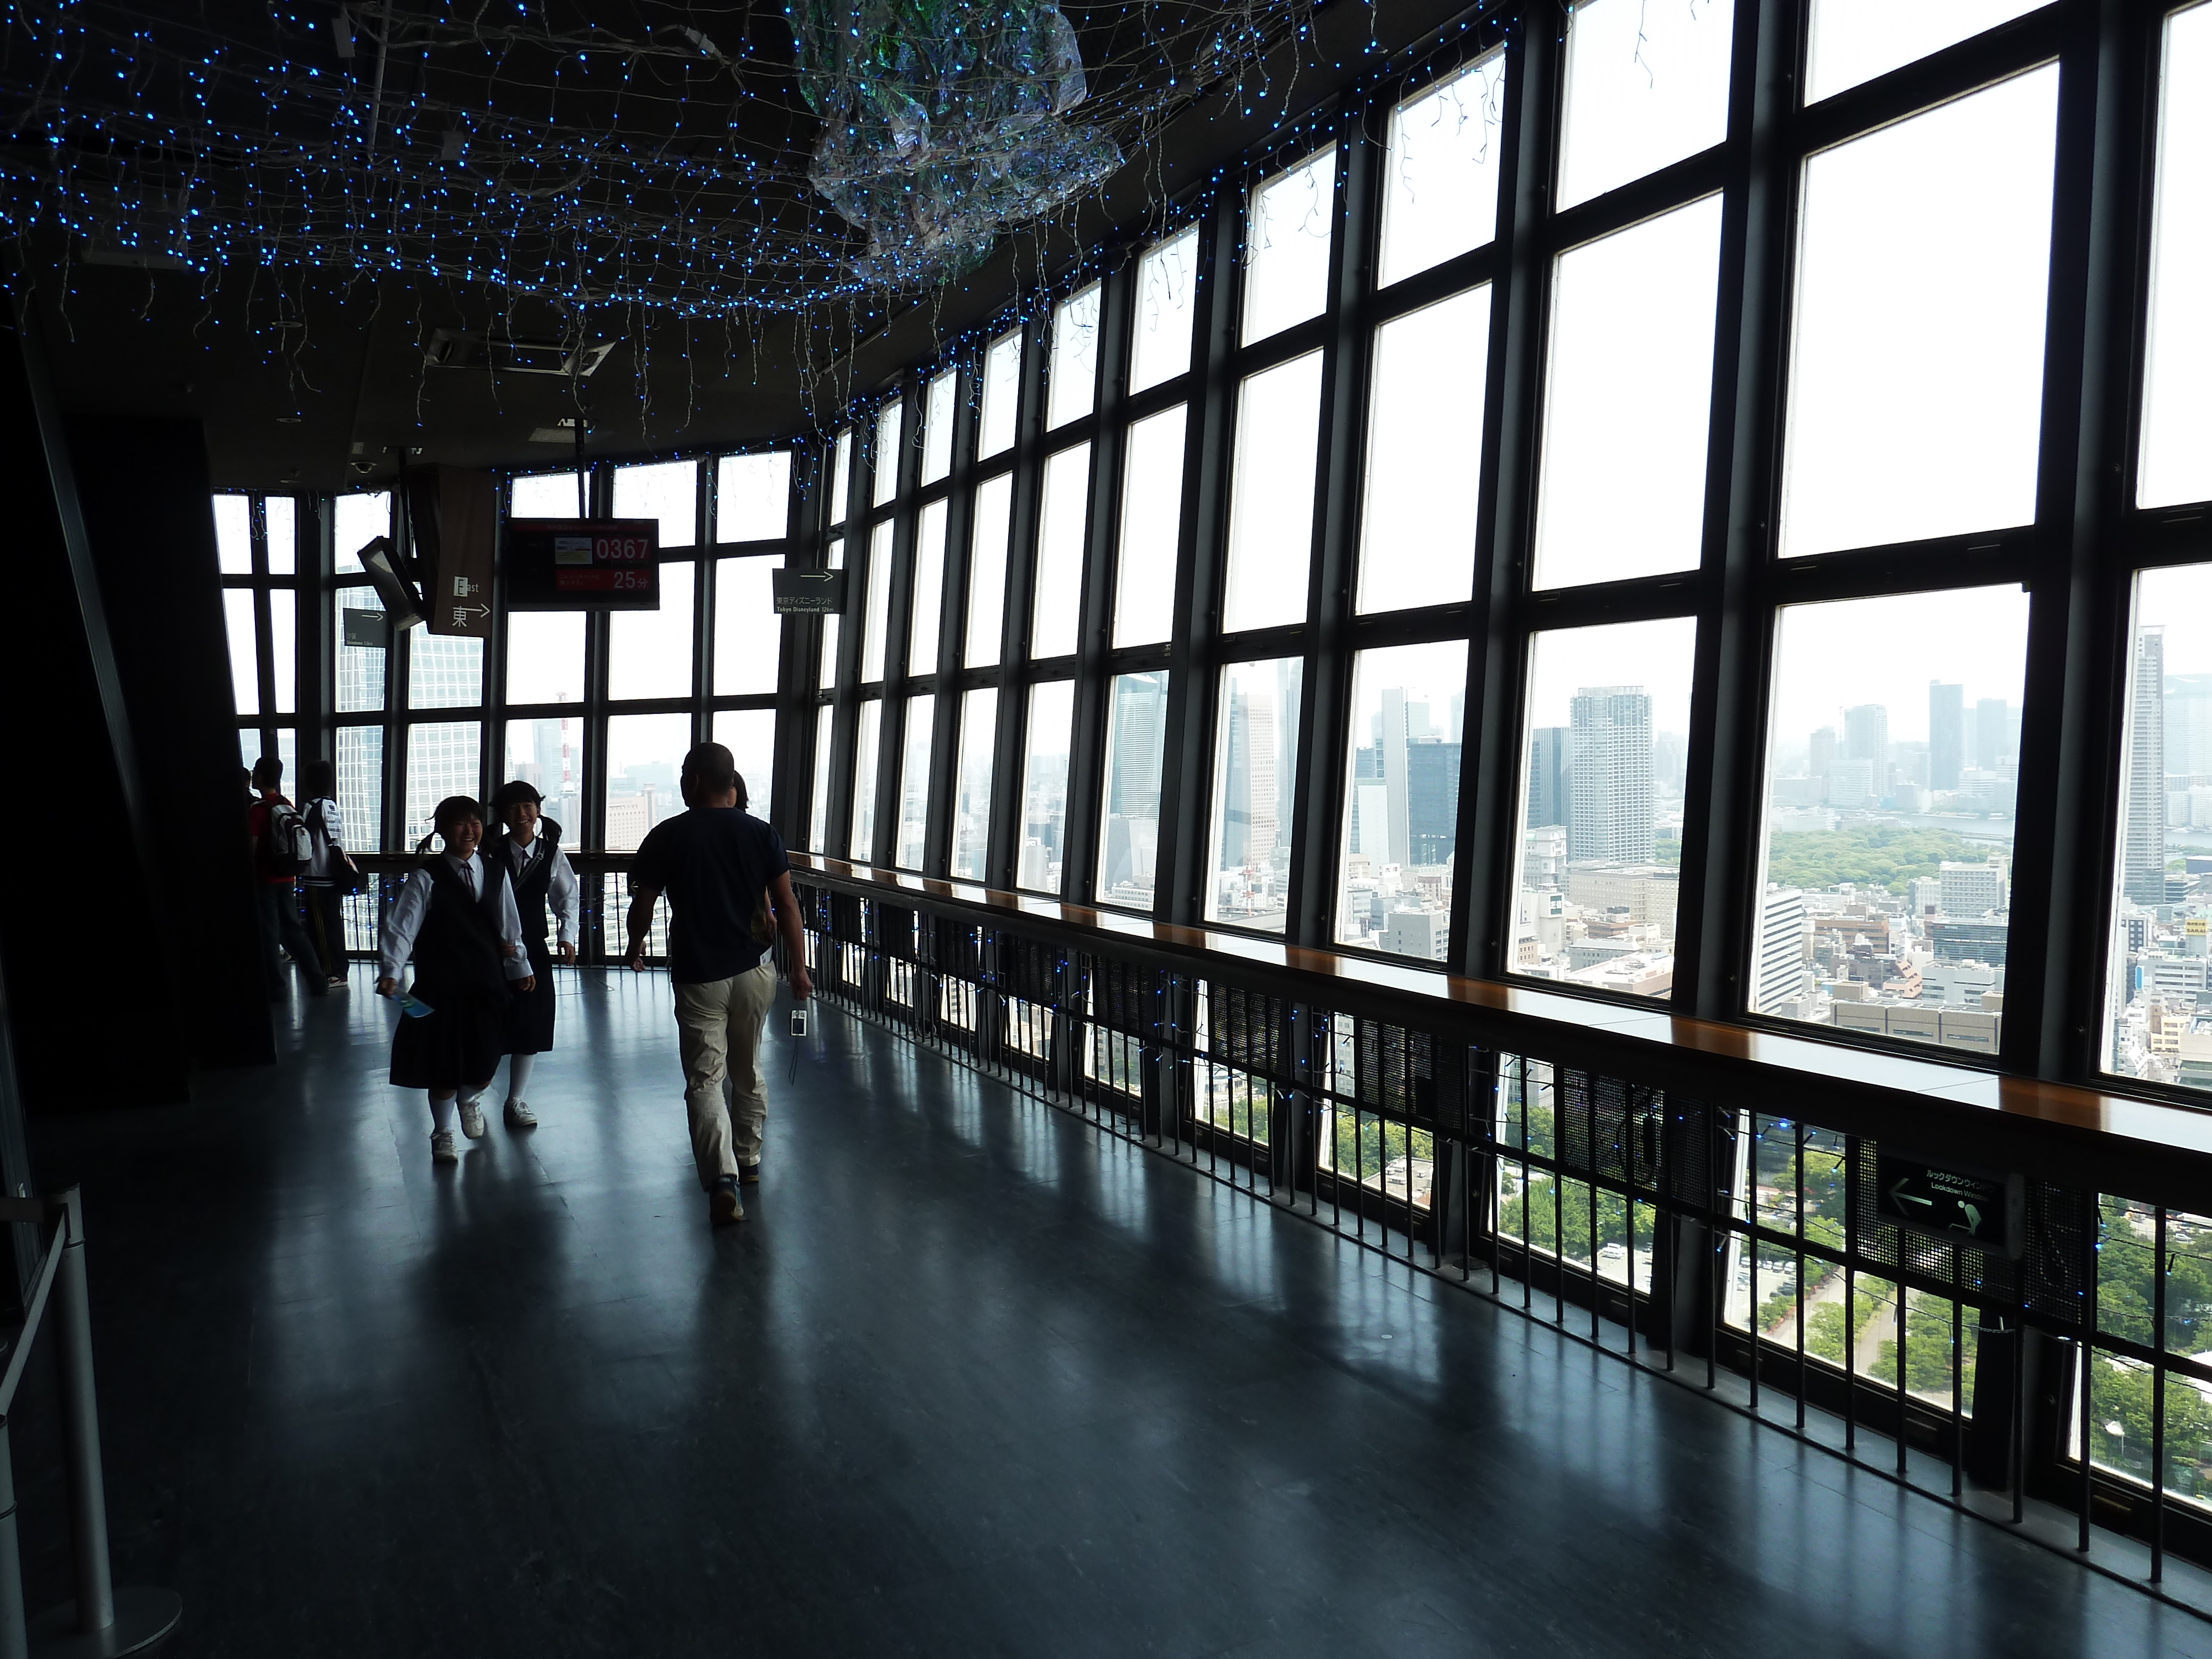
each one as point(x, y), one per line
point(403, 923)
point(562, 897)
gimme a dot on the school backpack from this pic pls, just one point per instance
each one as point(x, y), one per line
point(285, 848)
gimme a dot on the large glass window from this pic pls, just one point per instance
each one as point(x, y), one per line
point(1002, 394)
point(1057, 604)
point(280, 516)
point(877, 623)
point(1402, 802)
point(752, 497)
point(444, 672)
point(549, 756)
point(1646, 85)
point(928, 586)
point(748, 633)
point(841, 476)
point(359, 681)
point(666, 492)
point(1151, 528)
point(940, 411)
point(284, 648)
point(649, 651)
point(1167, 282)
point(545, 656)
point(1886, 864)
point(1855, 41)
point(358, 520)
point(865, 742)
point(1073, 380)
point(986, 570)
point(1044, 786)
point(914, 782)
point(1915, 383)
point(2177, 415)
point(825, 674)
point(360, 787)
point(2157, 1020)
point(1600, 855)
point(971, 798)
point(539, 495)
point(645, 770)
point(1424, 454)
point(750, 736)
point(1271, 499)
point(1288, 226)
point(889, 423)
point(817, 820)
point(1440, 176)
point(245, 654)
point(1136, 743)
point(234, 535)
point(1627, 395)
point(1255, 766)
point(444, 758)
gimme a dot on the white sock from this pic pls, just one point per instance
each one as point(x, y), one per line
point(518, 1074)
point(474, 1092)
point(441, 1114)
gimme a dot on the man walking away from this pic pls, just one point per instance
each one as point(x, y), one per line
point(281, 852)
point(724, 872)
point(329, 870)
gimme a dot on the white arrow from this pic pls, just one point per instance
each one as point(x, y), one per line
point(1899, 1195)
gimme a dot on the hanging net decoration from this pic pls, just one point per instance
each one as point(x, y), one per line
point(944, 123)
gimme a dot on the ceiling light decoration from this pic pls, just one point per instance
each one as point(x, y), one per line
point(944, 124)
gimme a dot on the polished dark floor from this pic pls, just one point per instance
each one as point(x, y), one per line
point(974, 1380)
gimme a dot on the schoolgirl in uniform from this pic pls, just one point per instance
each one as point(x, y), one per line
point(527, 846)
point(456, 917)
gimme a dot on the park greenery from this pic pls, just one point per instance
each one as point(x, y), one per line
point(1867, 855)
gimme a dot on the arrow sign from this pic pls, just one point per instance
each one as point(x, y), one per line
point(1945, 1202)
point(809, 592)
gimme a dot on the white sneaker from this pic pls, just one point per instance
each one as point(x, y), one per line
point(519, 1116)
point(441, 1147)
point(472, 1123)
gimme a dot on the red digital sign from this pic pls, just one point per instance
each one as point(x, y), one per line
point(582, 564)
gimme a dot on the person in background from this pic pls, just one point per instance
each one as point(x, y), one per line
point(528, 845)
point(724, 872)
point(325, 864)
point(280, 845)
point(456, 917)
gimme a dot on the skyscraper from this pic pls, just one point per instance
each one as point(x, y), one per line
point(1611, 788)
point(1866, 734)
point(1992, 734)
point(1946, 735)
point(1550, 773)
point(1822, 749)
point(2143, 857)
point(1779, 973)
point(1431, 801)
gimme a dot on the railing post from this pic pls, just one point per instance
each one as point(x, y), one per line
point(87, 1494)
point(150, 1615)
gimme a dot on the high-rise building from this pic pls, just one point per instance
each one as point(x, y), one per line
point(1778, 976)
point(1550, 774)
point(1821, 752)
point(2189, 724)
point(1612, 787)
point(1946, 735)
point(1993, 734)
point(2144, 856)
point(1431, 801)
point(1866, 734)
point(1248, 822)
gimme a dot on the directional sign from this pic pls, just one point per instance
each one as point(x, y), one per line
point(1945, 1202)
point(370, 629)
point(582, 564)
point(809, 592)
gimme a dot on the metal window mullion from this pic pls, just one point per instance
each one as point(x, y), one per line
point(1718, 906)
point(1194, 662)
point(1001, 864)
point(1325, 713)
point(899, 627)
point(1491, 768)
point(702, 603)
point(952, 627)
point(1087, 757)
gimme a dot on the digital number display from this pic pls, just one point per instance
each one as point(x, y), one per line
point(582, 564)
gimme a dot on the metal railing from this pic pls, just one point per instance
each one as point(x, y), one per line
point(602, 878)
point(1636, 1181)
point(101, 1619)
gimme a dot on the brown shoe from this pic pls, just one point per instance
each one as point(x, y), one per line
point(723, 1204)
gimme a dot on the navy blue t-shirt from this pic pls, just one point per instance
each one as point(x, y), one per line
point(715, 864)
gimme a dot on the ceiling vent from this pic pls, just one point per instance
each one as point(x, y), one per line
point(511, 354)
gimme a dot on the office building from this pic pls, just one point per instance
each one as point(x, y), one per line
point(1612, 813)
point(1947, 734)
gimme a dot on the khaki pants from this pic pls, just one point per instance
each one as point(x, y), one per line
point(718, 1033)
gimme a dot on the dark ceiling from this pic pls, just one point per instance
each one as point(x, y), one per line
point(312, 377)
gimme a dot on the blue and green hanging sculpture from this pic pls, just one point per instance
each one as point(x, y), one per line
point(944, 123)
